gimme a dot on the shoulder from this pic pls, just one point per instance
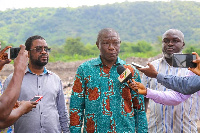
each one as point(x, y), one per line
point(53, 75)
point(89, 63)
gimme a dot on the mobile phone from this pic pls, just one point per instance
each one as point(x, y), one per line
point(36, 98)
point(13, 52)
point(137, 65)
point(183, 60)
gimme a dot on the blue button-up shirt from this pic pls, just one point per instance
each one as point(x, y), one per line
point(50, 114)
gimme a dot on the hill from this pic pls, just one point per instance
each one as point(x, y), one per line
point(133, 20)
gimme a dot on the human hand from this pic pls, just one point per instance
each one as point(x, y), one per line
point(27, 106)
point(149, 71)
point(196, 70)
point(21, 62)
point(137, 87)
point(4, 57)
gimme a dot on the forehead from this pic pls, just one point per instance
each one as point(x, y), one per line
point(172, 35)
point(39, 42)
point(109, 35)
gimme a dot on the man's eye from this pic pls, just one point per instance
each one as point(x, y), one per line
point(175, 41)
point(105, 43)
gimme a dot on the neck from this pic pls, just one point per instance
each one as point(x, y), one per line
point(36, 69)
point(169, 61)
point(108, 63)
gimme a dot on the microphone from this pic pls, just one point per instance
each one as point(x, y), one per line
point(124, 74)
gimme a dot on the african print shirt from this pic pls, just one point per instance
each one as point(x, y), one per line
point(105, 104)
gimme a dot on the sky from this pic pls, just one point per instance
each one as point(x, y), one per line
point(16, 4)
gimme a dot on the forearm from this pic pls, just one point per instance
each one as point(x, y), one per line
point(10, 95)
point(12, 118)
point(184, 85)
point(166, 97)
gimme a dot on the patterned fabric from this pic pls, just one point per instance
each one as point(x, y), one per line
point(171, 119)
point(107, 105)
point(7, 130)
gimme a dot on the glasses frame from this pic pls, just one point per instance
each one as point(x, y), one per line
point(40, 49)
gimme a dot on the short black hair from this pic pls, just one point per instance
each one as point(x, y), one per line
point(29, 41)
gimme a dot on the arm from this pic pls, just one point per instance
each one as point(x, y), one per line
point(184, 85)
point(77, 102)
point(62, 111)
point(162, 97)
point(166, 97)
point(11, 94)
point(24, 107)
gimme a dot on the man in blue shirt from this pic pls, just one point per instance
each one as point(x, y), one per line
point(50, 114)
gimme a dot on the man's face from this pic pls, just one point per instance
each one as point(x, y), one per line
point(109, 46)
point(38, 56)
point(172, 43)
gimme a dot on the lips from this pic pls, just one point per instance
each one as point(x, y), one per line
point(44, 57)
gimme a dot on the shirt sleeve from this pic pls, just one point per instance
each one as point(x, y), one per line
point(185, 85)
point(62, 111)
point(77, 102)
point(166, 97)
point(139, 110)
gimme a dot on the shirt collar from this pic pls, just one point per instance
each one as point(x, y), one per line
point(44, 72)
point(98, 61)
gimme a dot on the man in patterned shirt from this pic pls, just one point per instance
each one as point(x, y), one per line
point(105, 104)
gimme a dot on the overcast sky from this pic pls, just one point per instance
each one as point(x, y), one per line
point(15, 4)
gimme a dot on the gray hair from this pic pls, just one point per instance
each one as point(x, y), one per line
point(174, 31)
point(103, 31)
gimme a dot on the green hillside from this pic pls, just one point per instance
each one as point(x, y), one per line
point(133, 20)
point(72, 32)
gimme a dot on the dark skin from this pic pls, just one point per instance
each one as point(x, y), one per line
point(109, 46)
point(38, 56)
point(4, 57)
point(171, 43)
point(11, 94)
point(23, 107)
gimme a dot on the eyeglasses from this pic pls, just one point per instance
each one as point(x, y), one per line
point(40, 49)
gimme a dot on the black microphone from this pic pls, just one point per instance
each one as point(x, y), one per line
point(124, 74)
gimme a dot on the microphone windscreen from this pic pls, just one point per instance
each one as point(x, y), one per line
point(120, 69)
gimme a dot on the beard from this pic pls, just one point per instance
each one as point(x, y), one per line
point(38, 61)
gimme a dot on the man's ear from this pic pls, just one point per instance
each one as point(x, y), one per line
point(97, 45)
point(183, 43)
point(29, 54)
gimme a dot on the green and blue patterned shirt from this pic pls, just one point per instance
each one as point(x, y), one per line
point(105, 104)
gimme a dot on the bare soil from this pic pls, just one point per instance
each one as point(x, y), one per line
point(67, 71)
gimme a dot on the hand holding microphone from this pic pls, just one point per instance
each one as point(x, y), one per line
point(138, 87)
point(125, 75)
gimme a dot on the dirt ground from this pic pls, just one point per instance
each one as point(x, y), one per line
point(67, 70)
